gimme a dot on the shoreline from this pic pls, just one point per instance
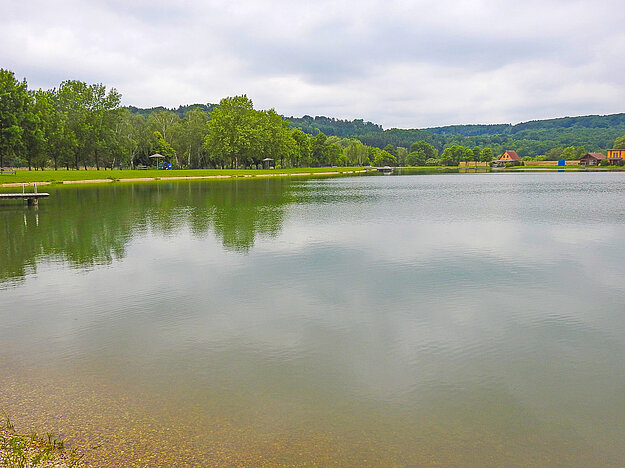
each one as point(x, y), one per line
point(108, 180)
point(35, 451)
point(247, 175)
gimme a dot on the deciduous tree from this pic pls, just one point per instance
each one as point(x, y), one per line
point(13, 103)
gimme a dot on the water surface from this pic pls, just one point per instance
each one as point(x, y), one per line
point(455, 320)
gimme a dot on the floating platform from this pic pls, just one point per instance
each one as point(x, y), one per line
point(31, 198)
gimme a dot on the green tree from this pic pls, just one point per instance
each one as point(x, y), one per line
point(35, 129)
point(384, 158)
point(163, 147)
point(84, 110)
point(230, 130)
point(103, 117)
point(554, 154)
point(195, 130)
point(13, 104)
point(391, 149)
point(132, 136)
point(271, 138)
point(303, 148)
point(162, 121)
point(452, 155)
point(356, 154)
point(619, 143)
point(428, 150)
point(402, 153)
point(334, 152)
point(416, 158)
point(187, 137)
point(487, 155)
point(476, 154)
point(319, 148)
point(568, 153)
point(61, 140)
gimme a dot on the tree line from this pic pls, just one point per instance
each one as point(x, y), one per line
point(79, 126)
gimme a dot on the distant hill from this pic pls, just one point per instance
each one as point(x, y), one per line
point(587, 121)
point(332, 126)
point(181, 110)
point(470, 130)
point(594, 132)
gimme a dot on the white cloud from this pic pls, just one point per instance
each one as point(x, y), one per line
point(403, 64)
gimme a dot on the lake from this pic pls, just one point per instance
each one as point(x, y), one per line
point(424, 320)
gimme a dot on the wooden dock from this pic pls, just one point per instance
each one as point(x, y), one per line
point(31, 198)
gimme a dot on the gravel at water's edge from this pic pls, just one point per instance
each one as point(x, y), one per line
point(34, 451)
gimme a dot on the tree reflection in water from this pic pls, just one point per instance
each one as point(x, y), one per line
point(88, 226)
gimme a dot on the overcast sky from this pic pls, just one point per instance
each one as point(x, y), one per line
point(402, 64)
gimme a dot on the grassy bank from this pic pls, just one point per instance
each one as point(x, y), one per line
point(51, 176)
point(26, 451)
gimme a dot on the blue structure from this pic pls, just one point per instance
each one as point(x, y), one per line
point(561, 162)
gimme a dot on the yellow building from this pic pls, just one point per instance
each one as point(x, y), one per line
point(616, 157)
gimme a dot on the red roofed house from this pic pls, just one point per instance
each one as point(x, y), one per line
point(510, 157)
point(591, 159)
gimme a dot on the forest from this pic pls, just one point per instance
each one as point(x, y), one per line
point(81, 126)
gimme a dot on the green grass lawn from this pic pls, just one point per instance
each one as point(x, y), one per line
point(25, 176)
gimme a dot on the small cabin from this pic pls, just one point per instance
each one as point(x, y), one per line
point(508, 158)
point(616, 157)
point(591, 159)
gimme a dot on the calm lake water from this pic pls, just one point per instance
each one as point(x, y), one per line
point(452, 320)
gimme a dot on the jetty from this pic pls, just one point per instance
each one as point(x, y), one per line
point(31, 197)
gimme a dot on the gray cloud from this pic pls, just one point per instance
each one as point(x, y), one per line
point(403, 64)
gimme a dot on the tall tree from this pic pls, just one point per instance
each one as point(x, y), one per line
point(35, 129)
point(303, 148)
point(384, 158)
point(102, 119)
point(428, 150)
point(132, 136)
point(230, 129)
point(487, 155)
point(194, 130)
point(83, 108)
point(319, 147)
point(13, 103)
point(163, 147)
point(272, 138)
point(162, 121)
point(356, 154)
point(416, 158)
point(452, 155)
